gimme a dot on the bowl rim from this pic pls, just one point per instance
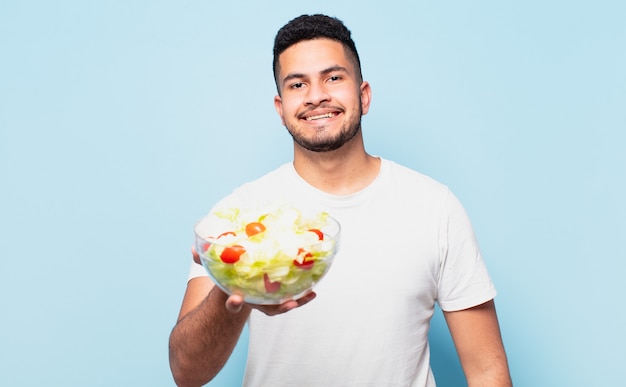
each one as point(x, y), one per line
point(216, 241)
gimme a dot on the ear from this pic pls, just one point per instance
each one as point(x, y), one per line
point(366, 97)
point(278, 105)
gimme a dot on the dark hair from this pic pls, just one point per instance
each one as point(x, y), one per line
point(309, 27)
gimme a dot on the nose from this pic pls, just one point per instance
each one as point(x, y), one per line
point(316, 94)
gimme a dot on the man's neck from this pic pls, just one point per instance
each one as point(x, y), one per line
point(341, 172)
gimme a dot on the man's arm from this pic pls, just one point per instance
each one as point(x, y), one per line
point(205, 334)
point(476, 335)
point(208, 328)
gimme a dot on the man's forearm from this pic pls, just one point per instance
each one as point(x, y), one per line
point(496, 376)
point(476, 335)
point(203, 340)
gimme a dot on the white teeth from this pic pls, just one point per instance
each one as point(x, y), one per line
point(327, 115)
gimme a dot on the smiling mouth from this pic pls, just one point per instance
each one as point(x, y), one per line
point(321, 116)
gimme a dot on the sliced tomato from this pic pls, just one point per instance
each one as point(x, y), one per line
point(226, 233)
point(270, 287)
point(254, 228)
point(231, 254)
point(320, 235)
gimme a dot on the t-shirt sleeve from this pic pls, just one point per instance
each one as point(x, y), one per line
point(196, 270)
point(463, 278)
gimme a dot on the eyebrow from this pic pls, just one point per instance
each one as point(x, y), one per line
point(326, 71)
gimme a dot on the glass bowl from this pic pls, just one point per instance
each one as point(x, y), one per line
point(268, 258)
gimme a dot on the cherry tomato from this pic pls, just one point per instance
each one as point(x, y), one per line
point(231, 254)
point(320, 235)
point(270, 287)
point(205, 247)
point(254, 228)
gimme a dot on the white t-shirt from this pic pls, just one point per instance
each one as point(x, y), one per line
point(406, 244)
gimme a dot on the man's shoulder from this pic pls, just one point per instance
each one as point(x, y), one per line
point(281, 173)
point(403, 174)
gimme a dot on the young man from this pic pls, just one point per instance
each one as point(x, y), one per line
point(406, 244)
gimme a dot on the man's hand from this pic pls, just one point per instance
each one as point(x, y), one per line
point(235, 303)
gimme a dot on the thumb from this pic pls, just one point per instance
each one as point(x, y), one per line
point(234, 304)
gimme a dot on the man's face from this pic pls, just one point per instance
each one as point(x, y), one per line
point(321, 99)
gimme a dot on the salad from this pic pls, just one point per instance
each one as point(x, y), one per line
point(267, 257)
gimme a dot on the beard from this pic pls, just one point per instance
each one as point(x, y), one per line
point(321, 141)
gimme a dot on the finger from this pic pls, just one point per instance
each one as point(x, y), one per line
point(306, 298)
point(196, 256)
point(288, 305)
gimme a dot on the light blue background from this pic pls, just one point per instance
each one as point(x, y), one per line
point(122, 122)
